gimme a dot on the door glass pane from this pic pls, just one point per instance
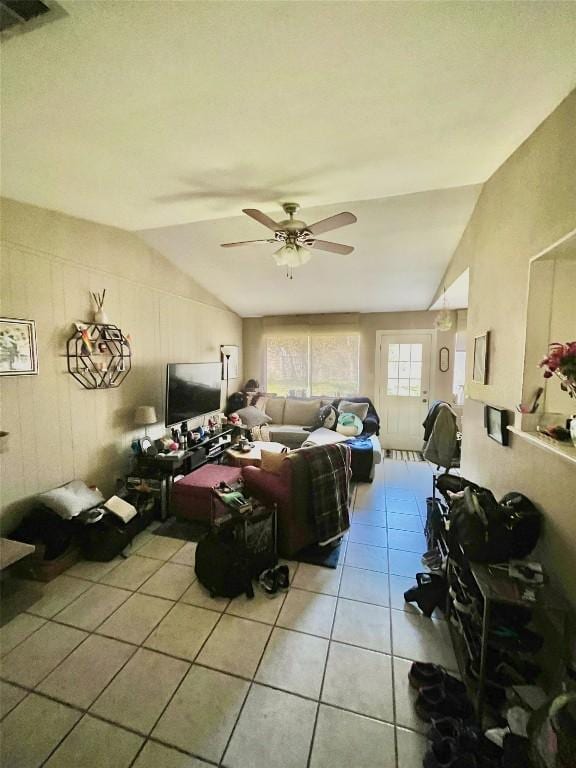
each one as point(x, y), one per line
point(392, 370)
point(405, 352)
point(416, 371)
point(393, 387)
point(416, 352)
point(415, 388)
point(404, 370)
point(393, 351)
point(404, 387)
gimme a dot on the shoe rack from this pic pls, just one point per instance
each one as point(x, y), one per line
point(480, 598)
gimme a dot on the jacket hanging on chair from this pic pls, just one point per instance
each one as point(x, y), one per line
point(441, 447)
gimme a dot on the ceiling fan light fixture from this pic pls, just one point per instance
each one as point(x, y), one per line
point(291, 255)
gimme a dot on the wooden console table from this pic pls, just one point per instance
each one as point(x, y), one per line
point(11, 551)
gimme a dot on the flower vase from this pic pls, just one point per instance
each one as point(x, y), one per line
point(101, 317)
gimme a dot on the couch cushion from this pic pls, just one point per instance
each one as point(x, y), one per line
point(303, 412)
point(275, 409)
point(324, 436)
point(253, 417)
point(272, 461)
point(291, 435)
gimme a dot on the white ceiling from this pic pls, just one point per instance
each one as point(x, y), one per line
point(401, 248)
point(154, 114)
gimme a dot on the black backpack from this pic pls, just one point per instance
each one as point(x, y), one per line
point(223, 565)
point(493, 532)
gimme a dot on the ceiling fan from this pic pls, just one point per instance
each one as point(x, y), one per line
point(296, 237)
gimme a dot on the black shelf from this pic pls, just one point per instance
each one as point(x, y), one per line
point(99, 356)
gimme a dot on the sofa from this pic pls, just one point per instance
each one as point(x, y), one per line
point(290, 490)
point(292, 419)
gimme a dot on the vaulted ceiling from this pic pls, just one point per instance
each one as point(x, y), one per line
point(169, 117)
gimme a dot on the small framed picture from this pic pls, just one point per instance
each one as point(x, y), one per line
point(480, 366)
point(18, 350)
point(496, 422)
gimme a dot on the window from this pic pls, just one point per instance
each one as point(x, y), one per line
point(405, 370)
point(304, 365)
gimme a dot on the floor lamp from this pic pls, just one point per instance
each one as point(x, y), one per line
point(227, 356)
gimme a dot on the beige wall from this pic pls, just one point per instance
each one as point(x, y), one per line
point(58, 430)
point(528, 204)
point(256, 328)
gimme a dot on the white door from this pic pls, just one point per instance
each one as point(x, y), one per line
point(402, 384)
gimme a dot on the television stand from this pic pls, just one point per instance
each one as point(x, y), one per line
point(166, 466)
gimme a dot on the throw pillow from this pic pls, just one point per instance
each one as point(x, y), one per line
point(359, 409)
point(272, 461)
point(71, 499)
point(349, 424)
point(275, 409)
point(301, 412)
point(253, 417)
point(327, 418)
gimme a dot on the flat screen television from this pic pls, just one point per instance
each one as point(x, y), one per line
point(192, 389)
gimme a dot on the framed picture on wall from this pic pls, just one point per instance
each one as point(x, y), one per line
point(496, 422)
point(230, 355)
point(480, 367)
point(18, 351)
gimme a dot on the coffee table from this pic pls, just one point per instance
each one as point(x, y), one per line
point(253, 457)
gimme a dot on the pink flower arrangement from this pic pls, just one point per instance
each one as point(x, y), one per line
point(561, 362)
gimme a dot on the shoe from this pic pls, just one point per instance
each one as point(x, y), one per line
point(424, 675)
point(283, 576)
point(445, 754)
point(466, 737)
point(462, 603)
point(521, 639)
point(503, 675)
point(436, 700)
point(268, 581)
point(429, 594)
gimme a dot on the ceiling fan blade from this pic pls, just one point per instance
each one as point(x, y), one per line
point(246, 242)
point(261, 218)
point(332, 222)
point(325, 245)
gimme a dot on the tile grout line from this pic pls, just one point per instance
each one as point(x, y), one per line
point(83, 711)
point(253, 680)
point(314, 727)
point(221, 613)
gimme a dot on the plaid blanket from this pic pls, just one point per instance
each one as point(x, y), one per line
point(330, 472)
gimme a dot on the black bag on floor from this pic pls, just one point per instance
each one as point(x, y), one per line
point(493, 532)
point(223, 566)
point(448, 484)
point(106, 539)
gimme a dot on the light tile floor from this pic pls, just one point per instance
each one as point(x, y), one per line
point(131, 663)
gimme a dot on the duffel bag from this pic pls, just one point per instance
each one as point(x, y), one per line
point(493, 532)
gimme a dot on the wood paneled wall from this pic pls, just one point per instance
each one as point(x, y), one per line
point(58, 430)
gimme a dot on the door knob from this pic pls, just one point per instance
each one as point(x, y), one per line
point(424, 400)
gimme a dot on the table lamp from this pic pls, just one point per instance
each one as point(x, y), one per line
point(144, 416)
